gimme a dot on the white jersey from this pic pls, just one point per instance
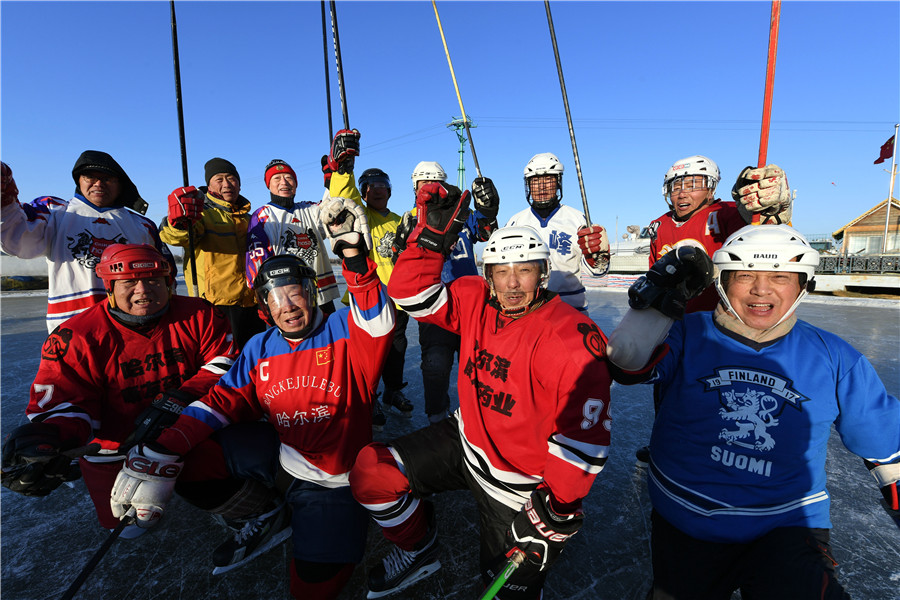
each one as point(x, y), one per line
point(72, 235)
point(275, 230)
point(560, 232)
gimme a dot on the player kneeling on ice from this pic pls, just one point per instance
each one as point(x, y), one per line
point(312, 377)
point(749, 395)
point(119, 373)
point(533, 427)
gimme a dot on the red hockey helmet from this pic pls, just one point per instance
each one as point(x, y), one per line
point(132, 261)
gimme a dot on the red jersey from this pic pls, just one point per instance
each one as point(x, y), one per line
point(709, 227)
point(317, 392)
point(97, 376)
point(533, 392)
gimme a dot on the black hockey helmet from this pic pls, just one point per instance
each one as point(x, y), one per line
point(281, 270)
point(372, 176)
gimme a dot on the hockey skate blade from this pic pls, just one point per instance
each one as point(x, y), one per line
point(422, 573)
point(274, 541)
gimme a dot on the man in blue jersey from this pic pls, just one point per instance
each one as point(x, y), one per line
point(748, 397)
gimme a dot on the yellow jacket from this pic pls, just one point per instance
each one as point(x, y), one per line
point(220, 249)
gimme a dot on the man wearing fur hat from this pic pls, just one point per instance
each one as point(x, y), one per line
point(106, 209)
point(219, 217)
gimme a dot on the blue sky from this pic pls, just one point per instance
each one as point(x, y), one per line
point(648, 83)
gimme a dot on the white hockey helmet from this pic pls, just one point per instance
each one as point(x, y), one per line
point(544, 164)
point(428, 170)
point(515, 245)
point(692, 165)
point(767, 248)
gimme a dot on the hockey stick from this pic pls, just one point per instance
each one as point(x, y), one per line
point(456, 86)
point(327, 79)
point(514, 562)
point(770, 83)
point(184, 168)
point(562, 85)
point(126, 520)
point(339, 64)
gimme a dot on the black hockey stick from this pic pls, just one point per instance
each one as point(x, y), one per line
point(562, 85)
point(327, 79)
point(184, 168)
point(82, 577)
point(339, 64)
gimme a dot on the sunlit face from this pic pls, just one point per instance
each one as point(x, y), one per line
point(290, 308)
point(543, 188)
point(377, 196)
point(688, 193)
point(516, 284)
point(762, 298)
point(100, 188)
point(283, 184)
point(225, 186)
point(141, 297)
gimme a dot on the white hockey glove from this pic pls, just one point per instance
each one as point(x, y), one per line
point(146, 482)
point(764, 191)
point(346, 225)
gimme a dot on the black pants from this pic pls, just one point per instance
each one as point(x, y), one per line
point(245, 322)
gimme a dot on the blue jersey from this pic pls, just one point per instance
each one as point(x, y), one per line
point(738, 447)
point(462, 257)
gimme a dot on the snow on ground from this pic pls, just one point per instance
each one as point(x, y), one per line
point(45, 542)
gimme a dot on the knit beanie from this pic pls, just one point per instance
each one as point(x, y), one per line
point(276, 166)
point(219, 165)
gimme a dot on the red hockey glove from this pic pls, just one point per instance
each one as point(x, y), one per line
point(161, 413)
point(540, 532)
point(185, 206)
point(442, 211)
point(326, 171)
point(678, 276)
point(594, 244)
point(888, 478)
point(9, 193)
point(344, 150)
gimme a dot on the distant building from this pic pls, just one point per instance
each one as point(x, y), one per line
point(865, 234)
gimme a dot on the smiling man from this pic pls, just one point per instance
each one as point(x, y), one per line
point(749, 397)
point(532, 429)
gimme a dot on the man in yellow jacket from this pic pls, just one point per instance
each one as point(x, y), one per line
point(219, 217)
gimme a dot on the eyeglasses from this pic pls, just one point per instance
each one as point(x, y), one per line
point(93, 177)
point(688, 183)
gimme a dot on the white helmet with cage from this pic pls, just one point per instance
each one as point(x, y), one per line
point(428, 170)
point(515, 245)
point(686, 167)
point(544, 164)
point(767, 248)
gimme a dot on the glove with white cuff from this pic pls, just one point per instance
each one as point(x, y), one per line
point(888, 478)
point(146, 482)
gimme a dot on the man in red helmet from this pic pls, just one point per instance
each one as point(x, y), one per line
point(117, 374)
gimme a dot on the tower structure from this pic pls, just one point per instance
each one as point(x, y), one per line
point(459, 126)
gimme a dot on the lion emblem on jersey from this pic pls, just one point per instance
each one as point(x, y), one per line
point(752, 412)
point(86, 249)
point(384, 245)
point(302, 244)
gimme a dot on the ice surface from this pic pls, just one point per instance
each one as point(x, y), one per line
point(45, 542)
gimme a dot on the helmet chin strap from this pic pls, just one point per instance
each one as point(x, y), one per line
point(299, 335)
point(728, 307)
point(540, 297)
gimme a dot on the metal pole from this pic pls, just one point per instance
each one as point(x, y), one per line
point(887, 217)
point(339, 63)
point(184, 167)
point(456, 86)
point(327, 80)
point(562, 85)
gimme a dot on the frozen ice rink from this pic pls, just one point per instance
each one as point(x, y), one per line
point(47, 541)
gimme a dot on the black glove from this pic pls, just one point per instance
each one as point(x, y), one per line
point(33, 464)
point(486, 198)
point(678, 276)
point(161, 413)
point(442, 211)
point(540, 532)
point(344, 150)
point(326, 171)
point(406, 226)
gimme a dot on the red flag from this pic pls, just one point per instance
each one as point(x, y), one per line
point(887, 151)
